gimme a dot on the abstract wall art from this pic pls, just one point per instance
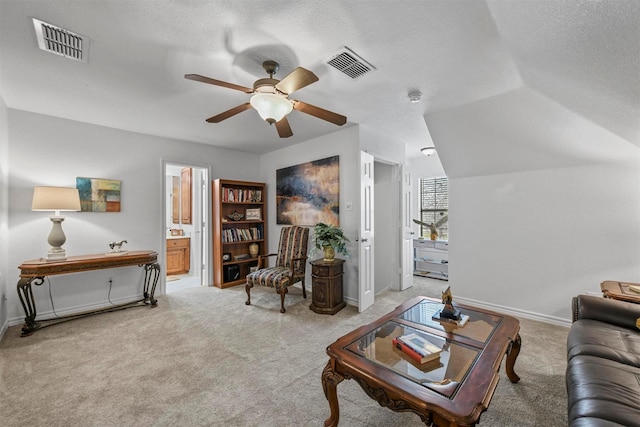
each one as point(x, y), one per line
point(99, 195)
point(309, 193)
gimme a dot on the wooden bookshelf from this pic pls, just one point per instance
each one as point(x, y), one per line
point(233, 237)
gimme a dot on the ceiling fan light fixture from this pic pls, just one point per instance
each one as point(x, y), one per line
point(428, 151)
point(271, 107)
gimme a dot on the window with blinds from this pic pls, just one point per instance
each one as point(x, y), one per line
point(434, 207)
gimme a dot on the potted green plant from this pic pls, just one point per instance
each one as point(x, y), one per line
point(330, 239)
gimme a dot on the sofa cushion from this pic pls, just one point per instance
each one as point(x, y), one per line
point(594, 422)
point(594, 338)
point(602, 392)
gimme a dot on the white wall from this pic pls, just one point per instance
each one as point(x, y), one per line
point(49, 151)
point(344, 143)
point(381, 147)
point(4, 213)
point(530, 241)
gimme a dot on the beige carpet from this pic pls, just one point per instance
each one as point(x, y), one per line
point(203, 358)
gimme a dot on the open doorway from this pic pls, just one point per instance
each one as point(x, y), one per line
point(186, 219)
point(386, 223)
point(381, 257)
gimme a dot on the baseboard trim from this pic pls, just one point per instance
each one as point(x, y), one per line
point(500, 309)
point(515, 312)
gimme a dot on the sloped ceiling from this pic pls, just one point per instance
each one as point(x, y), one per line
point(579, 102)
point(548, 83)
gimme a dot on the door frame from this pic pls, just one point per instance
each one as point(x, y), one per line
point(205, 239)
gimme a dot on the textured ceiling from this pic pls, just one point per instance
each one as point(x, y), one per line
point(556, 81)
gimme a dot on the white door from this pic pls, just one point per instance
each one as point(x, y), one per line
point(365, 262)
point(204, 231)
point(406, 232)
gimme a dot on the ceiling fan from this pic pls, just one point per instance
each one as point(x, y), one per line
point(271, 98)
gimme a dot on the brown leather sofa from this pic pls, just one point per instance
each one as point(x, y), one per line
point(603, 363)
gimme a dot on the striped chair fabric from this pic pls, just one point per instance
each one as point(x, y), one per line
point(290, 267)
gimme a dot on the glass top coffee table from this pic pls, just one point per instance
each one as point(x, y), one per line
point(452, 390)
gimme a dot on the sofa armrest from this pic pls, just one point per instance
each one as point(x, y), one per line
point(619, 313)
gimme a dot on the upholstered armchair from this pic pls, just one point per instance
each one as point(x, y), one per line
point(291, 261)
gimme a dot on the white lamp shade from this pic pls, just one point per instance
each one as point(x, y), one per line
point(270, 106)
point(55, 199)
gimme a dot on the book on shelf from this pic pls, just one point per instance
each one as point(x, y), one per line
point(239, 195)
point(417, 348)
point(241, 234)
point(635, 288)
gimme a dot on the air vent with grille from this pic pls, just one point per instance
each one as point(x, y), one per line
point(61, 42)
point(350, 63)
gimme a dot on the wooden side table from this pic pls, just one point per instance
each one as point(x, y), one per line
point(326, 286)
point(619, 291)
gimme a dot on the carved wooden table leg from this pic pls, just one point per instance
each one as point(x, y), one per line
point(512, 354)
point(330, 381)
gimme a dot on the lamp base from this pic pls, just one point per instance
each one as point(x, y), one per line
point(56, 239)
point(56, 254)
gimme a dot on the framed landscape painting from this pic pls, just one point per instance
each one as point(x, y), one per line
point(99, 195)
point(309, 193)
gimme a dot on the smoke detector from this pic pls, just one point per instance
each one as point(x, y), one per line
point(415, 97)
point(60, 41)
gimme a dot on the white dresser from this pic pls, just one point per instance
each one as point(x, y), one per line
point(430, 258)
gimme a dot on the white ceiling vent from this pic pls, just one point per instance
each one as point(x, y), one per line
point(350, 63)
point(61, 42)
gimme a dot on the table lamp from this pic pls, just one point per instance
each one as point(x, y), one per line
point(56, 199)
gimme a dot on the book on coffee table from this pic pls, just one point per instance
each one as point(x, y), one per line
point(417, 348)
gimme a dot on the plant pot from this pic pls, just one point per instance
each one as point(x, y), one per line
point(329, 253)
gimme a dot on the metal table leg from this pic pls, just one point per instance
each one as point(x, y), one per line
point(151, 275)
point(28, 303)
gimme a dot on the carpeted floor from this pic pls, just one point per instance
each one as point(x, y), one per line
point(203, 358)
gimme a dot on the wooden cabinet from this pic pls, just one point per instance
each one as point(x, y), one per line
point(239, 220)
point(178, 255)
point(185, 194)
point(175, 199)
point(181, 197)
point(326, 285)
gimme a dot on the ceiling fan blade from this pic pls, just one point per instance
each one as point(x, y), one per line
point(321, 113)
point(284, 130)
point(203, 79)
point(229, 113)
point(295, 80)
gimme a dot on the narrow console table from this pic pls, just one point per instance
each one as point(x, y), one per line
point(34, 272)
